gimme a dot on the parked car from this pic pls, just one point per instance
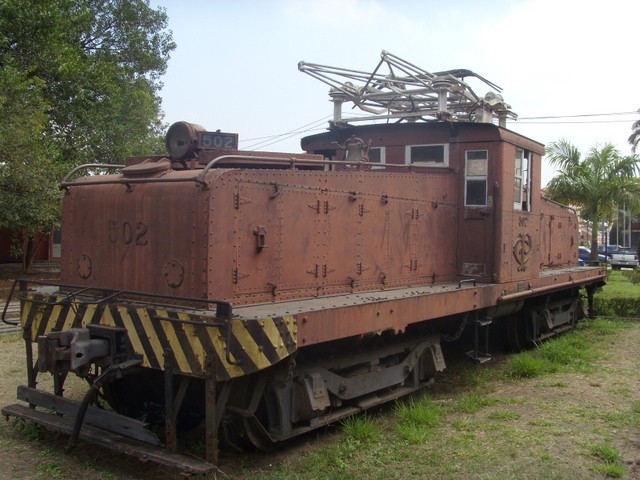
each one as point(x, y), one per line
point(584, 256)
point(624, 257)
point(608, 250)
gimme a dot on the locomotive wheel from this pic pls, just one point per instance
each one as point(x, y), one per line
point(253, 406)
point(140, 395)
point(517, 333)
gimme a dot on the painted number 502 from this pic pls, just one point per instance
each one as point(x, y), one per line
point(128, 232)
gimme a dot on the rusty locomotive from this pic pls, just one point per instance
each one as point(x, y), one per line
point(267, 294)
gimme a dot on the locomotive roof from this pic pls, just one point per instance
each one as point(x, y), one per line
point(458, 131)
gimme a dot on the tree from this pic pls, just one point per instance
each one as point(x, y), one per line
point(634, 138)
point(597, 184)
point(28, 203)
point(79, 84)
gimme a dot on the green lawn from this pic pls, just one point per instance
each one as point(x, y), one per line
point(619, 286)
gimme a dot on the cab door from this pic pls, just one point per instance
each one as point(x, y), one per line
point(477, 223)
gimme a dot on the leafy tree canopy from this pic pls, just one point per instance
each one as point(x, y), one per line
point(79, 83)
point(597, 184)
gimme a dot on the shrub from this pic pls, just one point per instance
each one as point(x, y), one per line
point(620, 307)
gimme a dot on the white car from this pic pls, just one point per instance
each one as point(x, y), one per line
point(624, 257)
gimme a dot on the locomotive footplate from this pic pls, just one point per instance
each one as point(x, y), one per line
point(111, 440)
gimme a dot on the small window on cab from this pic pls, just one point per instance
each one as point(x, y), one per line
point(522, 181)
point(475, 175)
point(430, 155)
point(377, 155)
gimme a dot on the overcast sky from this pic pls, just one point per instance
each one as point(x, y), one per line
point(235, 65)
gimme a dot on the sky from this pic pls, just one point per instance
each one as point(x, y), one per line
point(235, 67)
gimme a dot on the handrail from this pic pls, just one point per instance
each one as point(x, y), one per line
point(6, 305)
point(567, 207)
point(224, 308)
point(200, 180)
point(65, 181)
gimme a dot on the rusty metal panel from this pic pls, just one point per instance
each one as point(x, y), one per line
point(297, 234)
point(524, 246)
point(559, 235)
point(145, 238)
point(258, 238)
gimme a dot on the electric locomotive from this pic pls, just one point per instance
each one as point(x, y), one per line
point(267, 294)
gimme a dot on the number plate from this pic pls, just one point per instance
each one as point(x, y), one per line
point(216, 140)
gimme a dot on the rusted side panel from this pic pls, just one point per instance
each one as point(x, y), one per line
point(559, 235)
point(300, 234)
point(518, 245)
point(148, 238)
point(523, 248)
point(390, 314)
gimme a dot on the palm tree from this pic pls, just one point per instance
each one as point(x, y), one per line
point(634, 138)
point(597, 184)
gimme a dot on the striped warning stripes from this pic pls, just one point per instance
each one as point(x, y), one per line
point(184, 340)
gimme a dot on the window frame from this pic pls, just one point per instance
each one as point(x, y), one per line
point(475, 178)
point(445, 154)
point(522, 198)
point(383, 157)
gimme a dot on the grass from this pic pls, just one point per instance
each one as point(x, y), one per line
point(618, 286)
point(362, 428)
point(610, 461)
point(472, 403)
point(504, 416)
point(528, 365)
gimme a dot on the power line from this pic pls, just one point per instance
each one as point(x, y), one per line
point(313, 126)
point(569, 122)
point(271, 139)
point(579, 115)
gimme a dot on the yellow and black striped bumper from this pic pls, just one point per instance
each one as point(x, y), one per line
point(188, 341)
